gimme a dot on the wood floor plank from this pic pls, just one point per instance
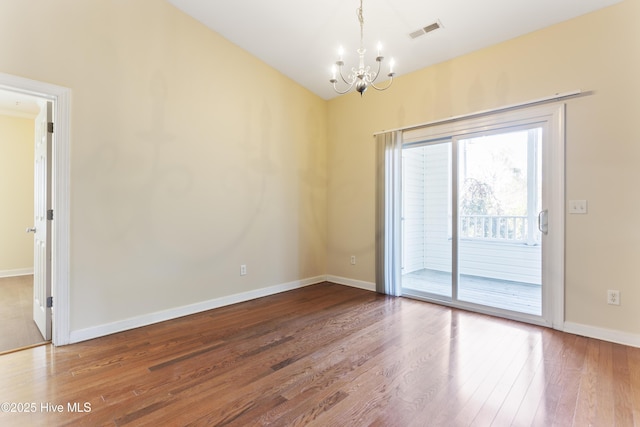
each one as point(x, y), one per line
point(550, 385)
point(329, 355)
point(509, 395)
point(606, 386)
point(586, 399)
point(491, 389)
point(534, 397)
point(633, 359)
point(622, 393)
point(565, 402)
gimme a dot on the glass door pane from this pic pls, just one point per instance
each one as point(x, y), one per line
point(427, 220)
point(499, 198)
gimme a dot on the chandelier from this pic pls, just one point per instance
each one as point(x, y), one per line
point(361, 77)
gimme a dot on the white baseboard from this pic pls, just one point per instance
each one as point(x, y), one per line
point(16, 272)
point(173, 313)
point(369, 286)
point(604, 334)
point(610, 335)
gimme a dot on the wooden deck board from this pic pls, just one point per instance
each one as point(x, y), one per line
point(508, 295)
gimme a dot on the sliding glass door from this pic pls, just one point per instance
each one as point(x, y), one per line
point(475, 216)
point(499, 242)
point(427, 218)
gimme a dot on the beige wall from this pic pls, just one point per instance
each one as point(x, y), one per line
point(596, 52)
point(16, 194)
point(189, 156)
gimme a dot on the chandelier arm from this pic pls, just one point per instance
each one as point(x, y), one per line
point(377, 73)
point(335, 87)
point(383, 88)
point(353, 80)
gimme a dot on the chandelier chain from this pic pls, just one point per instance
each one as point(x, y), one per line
point(361, 19)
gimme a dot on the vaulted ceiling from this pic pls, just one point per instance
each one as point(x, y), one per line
point(300, 38)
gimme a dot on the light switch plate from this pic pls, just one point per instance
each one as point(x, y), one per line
point(577, 206)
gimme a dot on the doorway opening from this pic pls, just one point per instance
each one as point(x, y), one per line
point(53, 264)
point(17, 135)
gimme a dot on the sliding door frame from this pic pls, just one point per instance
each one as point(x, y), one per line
point(551, 117)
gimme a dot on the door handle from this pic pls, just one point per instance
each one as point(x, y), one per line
point(31, 230)
point(543, 221)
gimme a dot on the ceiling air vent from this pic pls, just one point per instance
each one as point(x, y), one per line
point(424, 30)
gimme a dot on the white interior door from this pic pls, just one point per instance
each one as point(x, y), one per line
point(41, 229)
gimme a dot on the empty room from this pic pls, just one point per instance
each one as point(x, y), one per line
point(357, 212)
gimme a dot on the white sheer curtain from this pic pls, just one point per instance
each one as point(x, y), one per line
point(388, 212)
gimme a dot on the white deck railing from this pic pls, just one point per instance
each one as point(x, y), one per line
point(505, 228)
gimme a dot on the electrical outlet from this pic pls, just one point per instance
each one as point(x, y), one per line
point(243, 270)
point(353, 260)
point(613, 297)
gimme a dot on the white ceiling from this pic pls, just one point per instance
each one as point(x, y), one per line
point(300, 38)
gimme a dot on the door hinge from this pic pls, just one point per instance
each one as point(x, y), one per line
point(50, 214)
point(50, 127)
point(49, 302)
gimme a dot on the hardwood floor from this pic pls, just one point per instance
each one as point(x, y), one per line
point(17, 328)
point(328, 355)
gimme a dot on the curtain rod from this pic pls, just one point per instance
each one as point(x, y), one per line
point(555, 97)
